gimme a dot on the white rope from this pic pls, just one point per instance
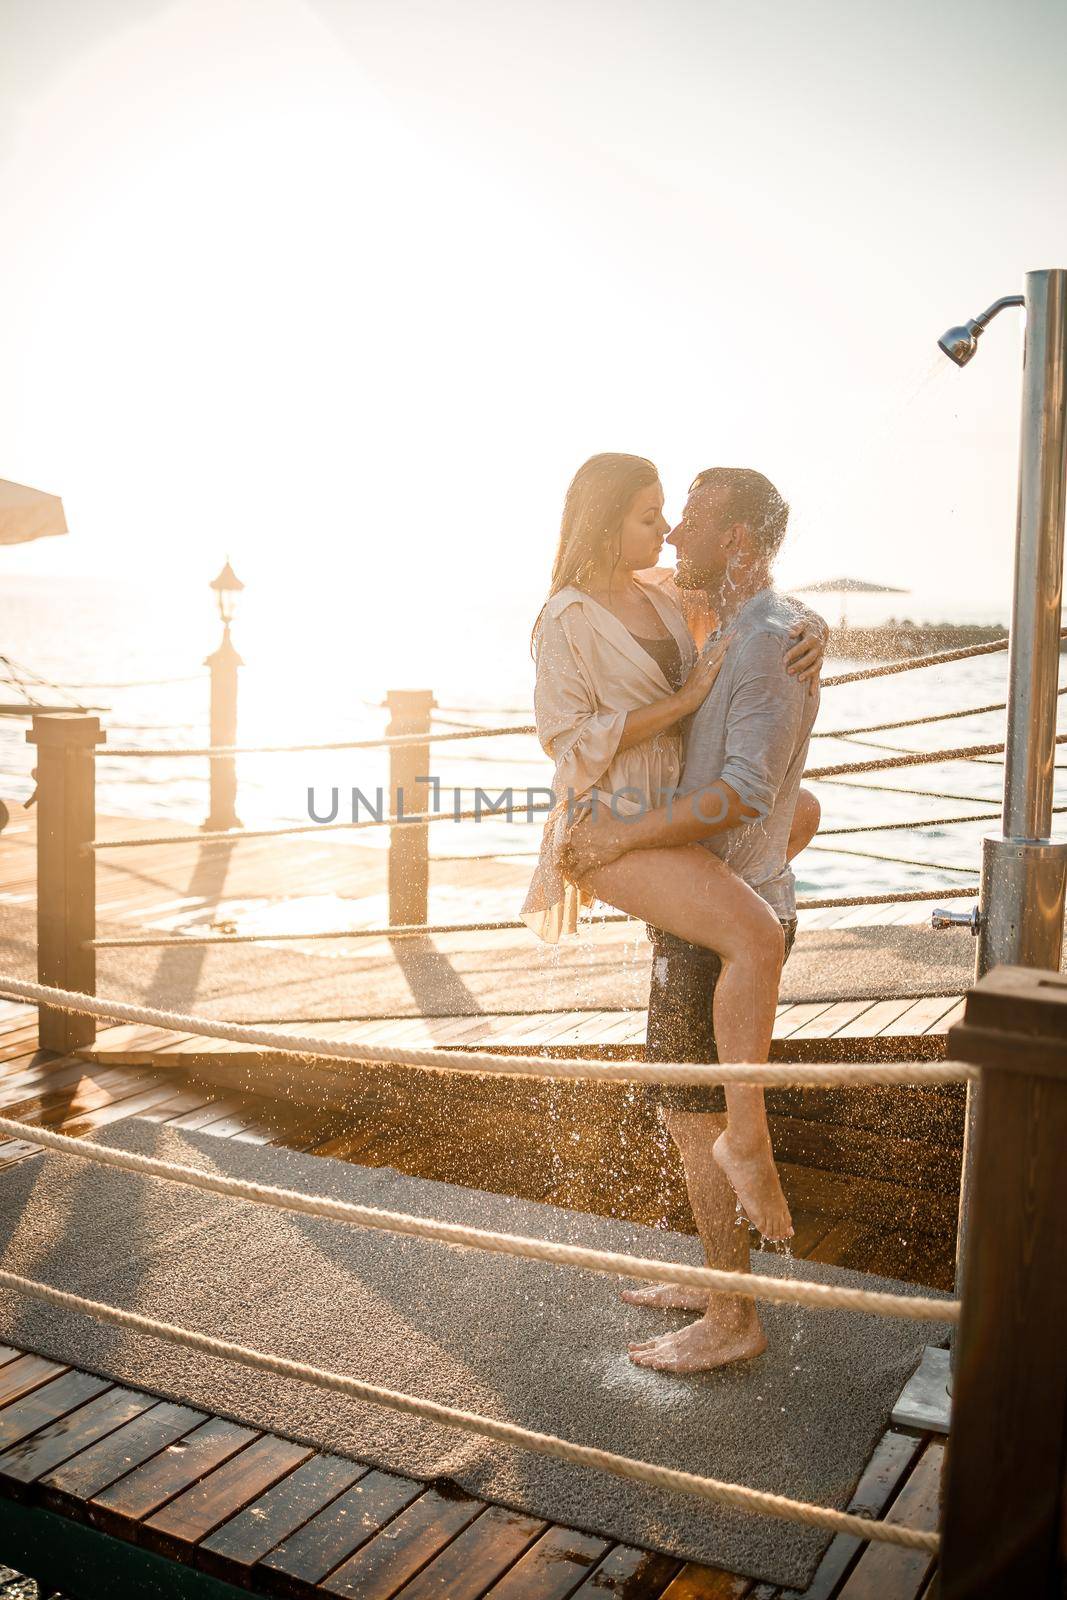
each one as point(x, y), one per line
point(786, 1291)
point(238, 835)
point(390, 741)
point(400, 930)
point(899, 861)
point(914, 758)
point(473, 1061)
point(411, 930)
point(742, 1498)
point(937, 659)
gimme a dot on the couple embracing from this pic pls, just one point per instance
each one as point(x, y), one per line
point(678, 800)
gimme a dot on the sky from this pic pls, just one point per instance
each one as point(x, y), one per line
point(346, 291)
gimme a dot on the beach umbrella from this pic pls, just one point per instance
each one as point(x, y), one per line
point(27, 514)
point(843, 586)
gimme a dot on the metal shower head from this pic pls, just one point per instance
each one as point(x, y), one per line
point(959, 344)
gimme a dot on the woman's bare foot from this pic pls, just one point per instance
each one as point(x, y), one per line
point(702, 1346)
point(667, 1297)
point(754, 1179)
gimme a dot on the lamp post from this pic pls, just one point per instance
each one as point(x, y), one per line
point(224, 663)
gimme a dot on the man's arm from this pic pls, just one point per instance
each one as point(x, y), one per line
point(685, 819)
point(764, 717)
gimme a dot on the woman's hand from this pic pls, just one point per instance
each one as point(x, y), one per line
point(701, 680)
point(804, 659)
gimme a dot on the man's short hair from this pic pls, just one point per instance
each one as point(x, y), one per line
point(752, 499)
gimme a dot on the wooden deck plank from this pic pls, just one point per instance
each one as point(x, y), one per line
point(835, 1019)
point(245, 1538)
point(339, 1530)
point(19, 1041)
point(407, 1544)
point(628, 1574)
point(954, 1015)
point(214, 1111)
point(151, 1485)
point(26, 1372)
point(886, 1571)
point(474, 1561)
point(94, 1469)
point(47, 1404)
point(919, 1016)
point(873, 1022)
point(90, 1087)
point(893, 1458)
point(15, 1150)
point(200, 1509)
point(552, 1567)
point(798, 1016)
point(30, 1459)
point(707, 1583)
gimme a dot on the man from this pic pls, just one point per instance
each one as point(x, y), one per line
point(745, 754)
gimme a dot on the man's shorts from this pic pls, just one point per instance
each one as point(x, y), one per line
point(680, 1026)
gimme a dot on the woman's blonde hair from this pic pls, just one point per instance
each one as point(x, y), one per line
point(598, 498)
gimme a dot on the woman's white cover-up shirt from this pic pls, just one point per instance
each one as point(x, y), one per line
point(590, 673)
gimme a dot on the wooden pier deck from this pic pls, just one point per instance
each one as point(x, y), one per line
point(94, 1473)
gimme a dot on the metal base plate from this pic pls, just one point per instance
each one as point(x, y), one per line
point(926, 1400)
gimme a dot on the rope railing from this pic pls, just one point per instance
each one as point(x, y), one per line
point(739, 1496)
point(236, 835)
point(296, 830)
point(937, 658)
point(485, 1062)
point(917, 823)
point(919, 794)
point(411, 930)
point(406, 739)
point(814, 774)
point(914, 758)
point(752, 1285)
point(386, 742)
point(917, 722)
point(898, 861)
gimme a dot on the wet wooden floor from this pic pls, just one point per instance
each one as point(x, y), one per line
point(233, 1505)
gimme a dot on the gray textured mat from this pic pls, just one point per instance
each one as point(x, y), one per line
point(466, 973)
point(539, 1345)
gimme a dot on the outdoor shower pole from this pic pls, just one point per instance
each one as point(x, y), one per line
point(1020, 901)
point(1020, 912)
point(1022, 890)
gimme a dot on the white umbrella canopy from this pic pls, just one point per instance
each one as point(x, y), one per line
point(847, 586)
point(27, 514)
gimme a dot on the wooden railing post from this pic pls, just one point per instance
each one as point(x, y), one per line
point(409, 863)
point(1004, 1505)
point(66, 872)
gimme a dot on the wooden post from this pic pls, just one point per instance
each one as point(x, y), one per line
point(409, 864)
point(1004, 1508)
point(224, 664)
point(66, 871)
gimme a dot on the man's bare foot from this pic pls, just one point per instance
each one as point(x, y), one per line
point(701, 1347)
point(754, 1180)
point(667, 1297)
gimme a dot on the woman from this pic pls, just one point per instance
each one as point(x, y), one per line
point(617, 674)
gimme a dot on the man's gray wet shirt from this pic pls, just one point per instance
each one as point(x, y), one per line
point(752, 731)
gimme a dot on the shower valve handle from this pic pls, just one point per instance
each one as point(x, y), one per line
point(941, 917)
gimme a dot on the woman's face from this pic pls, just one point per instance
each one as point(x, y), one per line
point(643, 530)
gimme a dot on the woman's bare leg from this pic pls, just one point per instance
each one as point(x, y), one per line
point(689, 892)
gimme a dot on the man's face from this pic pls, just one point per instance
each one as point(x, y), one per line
point(704, 540)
